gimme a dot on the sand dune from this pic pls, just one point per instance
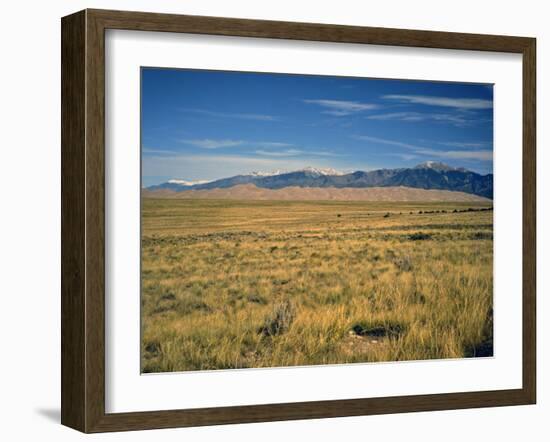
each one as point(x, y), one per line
point(251, 192)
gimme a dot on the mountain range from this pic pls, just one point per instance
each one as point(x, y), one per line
point(429, 175)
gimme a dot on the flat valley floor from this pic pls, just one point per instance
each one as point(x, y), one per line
point(237, 284)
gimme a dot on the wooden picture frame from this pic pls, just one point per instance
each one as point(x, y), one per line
point(83, 220)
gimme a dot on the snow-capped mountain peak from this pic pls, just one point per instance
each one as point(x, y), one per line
point(435, 165)
point(187, 183)
point(260, 173)
point(322, 171)
point(317, 171)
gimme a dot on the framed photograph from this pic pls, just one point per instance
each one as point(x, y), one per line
point(269, 221)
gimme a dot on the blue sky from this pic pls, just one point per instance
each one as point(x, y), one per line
point(204, 125)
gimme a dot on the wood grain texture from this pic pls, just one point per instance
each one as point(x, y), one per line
point(529, 221)
point(145, 21)
point(95, 222)
point(83, 220)
point(73, 129)
point(308, 410)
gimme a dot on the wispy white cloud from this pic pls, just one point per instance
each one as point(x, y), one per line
point(479, 144)
point(385, 141)
point(457, 103)
point(296, 152)
point(402, 116)
point(404, 156)
point(263, 148)
point(340, 108)
point(273, 144)
point(482, 155)
point(280, 153)
point(158, 151)
point(208, 143)
point(325, 153)
point(458, 120)
point(237, 115)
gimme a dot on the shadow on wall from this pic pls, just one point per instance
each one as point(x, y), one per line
point(51, 414)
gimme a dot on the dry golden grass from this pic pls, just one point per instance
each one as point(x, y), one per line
point(236, 284)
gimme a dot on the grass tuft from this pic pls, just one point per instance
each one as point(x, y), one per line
point(279, 320)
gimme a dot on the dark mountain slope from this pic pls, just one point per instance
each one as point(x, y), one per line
point(429, 175)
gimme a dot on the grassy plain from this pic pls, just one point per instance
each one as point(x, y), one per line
point(237, 284)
